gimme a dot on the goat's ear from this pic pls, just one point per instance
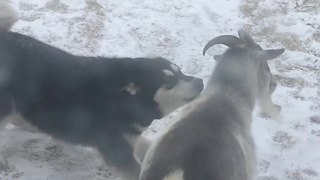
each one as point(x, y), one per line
point(271, 53)
point(217, 57)
point(244, 36)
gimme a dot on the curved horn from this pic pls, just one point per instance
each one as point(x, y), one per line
point(228, 40)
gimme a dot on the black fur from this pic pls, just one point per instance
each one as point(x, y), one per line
point(80, 99)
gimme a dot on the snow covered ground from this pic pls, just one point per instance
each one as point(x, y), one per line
point(287, 149)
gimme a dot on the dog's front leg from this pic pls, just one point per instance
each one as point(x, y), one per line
point(118, 152)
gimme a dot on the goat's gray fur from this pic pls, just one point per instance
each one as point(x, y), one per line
point(213, 141)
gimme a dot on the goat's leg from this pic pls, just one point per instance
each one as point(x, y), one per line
point(266, 105)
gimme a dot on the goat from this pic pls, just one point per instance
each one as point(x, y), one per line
point(213, 140)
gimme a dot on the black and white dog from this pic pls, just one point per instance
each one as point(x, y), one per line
point(96, 101)
point(213, 141)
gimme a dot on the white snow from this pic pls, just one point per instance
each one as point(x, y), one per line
point(287, 149)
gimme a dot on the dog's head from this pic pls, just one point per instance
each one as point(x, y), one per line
point(159, 83)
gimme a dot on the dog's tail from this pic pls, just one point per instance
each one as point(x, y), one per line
point(8, 16)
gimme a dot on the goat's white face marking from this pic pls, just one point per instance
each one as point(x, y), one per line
point(168, 72)
point(175, 67)
point(170, 99)
point(131, 88)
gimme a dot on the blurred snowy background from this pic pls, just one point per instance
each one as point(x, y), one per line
point(287, 150)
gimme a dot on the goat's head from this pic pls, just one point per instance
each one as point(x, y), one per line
point(247, 57)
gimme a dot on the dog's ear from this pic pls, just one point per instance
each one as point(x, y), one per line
point(131, 88)
point(246, 38)
point(270, 54)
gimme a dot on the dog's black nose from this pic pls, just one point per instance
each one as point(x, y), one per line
point(198, 83)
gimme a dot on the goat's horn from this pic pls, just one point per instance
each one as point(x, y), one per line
point(228, 40)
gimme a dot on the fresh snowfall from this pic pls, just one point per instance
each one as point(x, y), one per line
point(287, 149)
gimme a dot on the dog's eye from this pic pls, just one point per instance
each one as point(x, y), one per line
point(170, 82)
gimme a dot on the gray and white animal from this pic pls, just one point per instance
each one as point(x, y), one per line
point(213, 141)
